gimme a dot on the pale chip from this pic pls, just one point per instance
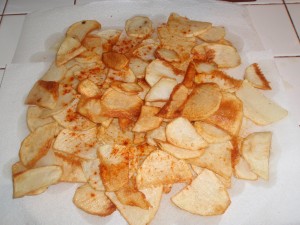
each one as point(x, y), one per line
point(138, 26)
point(213, 34)
point(55, 73)
point(34, 120)
point(167, 55)
point(138, 66)
point(88, 88)
point(205, 196)
point(181, 133)
point(80, 29)
point(91, 170)
point(259, 108)
point(161, 90)
point(256, 77)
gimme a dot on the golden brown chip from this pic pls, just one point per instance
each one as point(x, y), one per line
point(92, 201)
point(44, 94)
point(147, 119)
point(203, 102)
point(80, 29)
point(229, 116)
point(127, 88)
point(88, 88)
point(37, 144)
point(213, 34)
point(138, 66)
point(114, 60)
point(109, 38)
point(256, 77)
point(117, 104)
point(189, 77)
point(160, 168)
point(205, 196)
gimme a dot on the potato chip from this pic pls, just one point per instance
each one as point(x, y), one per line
point(211, 133)
point(44, 94)
point(181, 133)
point(55, 73)
point(93, 43)
point(138, 66)
point(34, 179)
point(179, 153)
point(242, 170)
point(213, 34)
point(225, 82)
point(37, 144)
point(114, 60)
point(124, 75)
point(80, 29)
point(225, 56)
point(71, 119)
point(205, 196)
point(185, 27)
point(69, 49)
point(173, 107)
point(47, 160)
point(136, 215)
point(91, 170)
point(256, 151)
point(79, 143)
point(109, 38)
point(146, 51)
point(161, 90)
point(147, 119)
point(117, 104)
point(93, 201)
point(259, 108)
point(114, 170)
point(34, 119)
point(156, 134)
point(88, 88)
point(256, 77)
point(126, 44)
point(189, 77)
point(161, 168)
point(158, 69)
point(229, 116)
point(127, 88)
point(204, 67)
point(167, 55)
point(138, 26)
point(203, 102)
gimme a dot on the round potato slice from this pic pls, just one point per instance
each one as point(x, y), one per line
point(34, 120)
point(138, 26)
point(204, 101)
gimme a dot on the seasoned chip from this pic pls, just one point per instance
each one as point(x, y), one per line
point(216, 157)
point(109, 38)
point(256, 151)
point(80, 29)
point(71, 119)
point(229, 116)
point(44, 94)
point(55, 73)
point(158, 69)
point(93, 201)
point(213, 34)
point(71, 167)
point(181, 133)
point(255, 76)
point(185, 27)
point(124, 75)
point(93, 43)
point(203, 102)
point(34, 119)
point(37, 144)
point(138, 67)
point(146, 51)
point(156, 134)
point(205, 196)
point(128, 88)
point(211, 133)
point(114, 60)
point(179, 153)
point(204, 67)
point(138, 26)
point(88, 88)
point(167, 55)
point(91, 170)
point(69, 49)
point(117, 104)
point(189, 76)
point(225, 56)
point(34, 179)
point(161, 90)
point(126, 44)
point(259, 108)
point(147, 119)
point(172, 108)
point(136, 215)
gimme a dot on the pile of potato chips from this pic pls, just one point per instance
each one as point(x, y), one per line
point(130, 113)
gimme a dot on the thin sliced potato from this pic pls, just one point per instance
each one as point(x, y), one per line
point(138, 67)
point(34, 179)
point(34, 119)
point(181, 133)
point(88, 88)
point(109, 38)
point(214, 34)
point(259, 108)
point(114, 60)
point(147, 120)
point(161, 90)
point(205, 196)
point(80, 29)
point(161, 168)
point(138, 26)
point(256, 77)
point(256, 151)
point(203, 102)
point(167, 55)
point(37, 144)
point(91, 170)
point(156, 134)
point(92, 201)
point(55, 73)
